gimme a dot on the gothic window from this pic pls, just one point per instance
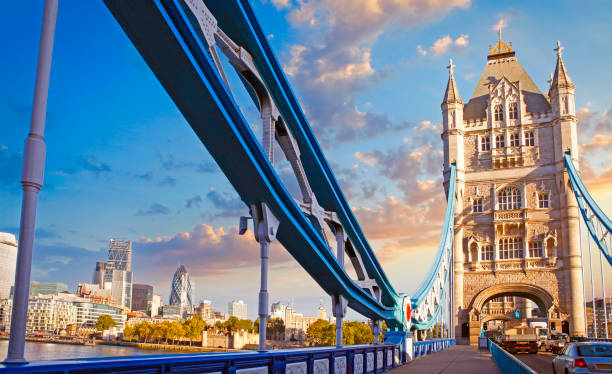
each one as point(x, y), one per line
point(535, 249)
point(529, 139)
point(486, 253)
point(510, 248)
point(513, 111)
point(565, 106)
point(477, 205)
point(509, 199)
point(500, 141)
point(514, 140)
point(485, 143)
point(543, 201)
point(499, 112)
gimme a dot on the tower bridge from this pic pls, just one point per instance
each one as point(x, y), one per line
point(511, 226)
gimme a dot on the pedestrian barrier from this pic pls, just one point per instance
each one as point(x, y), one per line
point(431, 346)
point(507, 363)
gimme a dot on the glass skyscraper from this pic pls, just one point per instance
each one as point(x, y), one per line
point(118, 271)
point(181, 291)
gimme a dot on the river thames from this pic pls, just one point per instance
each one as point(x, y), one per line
point(49, 351)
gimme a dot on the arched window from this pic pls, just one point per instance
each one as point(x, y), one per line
point(500, 141)
point(513, 111)
point(510, 248)
point(509, 199)
point(514, 140)
point(499, 112)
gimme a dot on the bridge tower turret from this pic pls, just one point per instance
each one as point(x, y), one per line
point(452, 136)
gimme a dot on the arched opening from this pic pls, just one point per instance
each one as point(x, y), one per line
point(512, 304)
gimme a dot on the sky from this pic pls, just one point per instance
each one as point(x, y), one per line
point(370, 76)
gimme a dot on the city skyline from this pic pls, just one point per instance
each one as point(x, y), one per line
point(178, 203)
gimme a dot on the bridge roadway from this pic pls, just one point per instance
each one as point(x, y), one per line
point(456, 360)
point(541, 363)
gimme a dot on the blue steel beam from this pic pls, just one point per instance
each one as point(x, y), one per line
point(168, 43)
point(586, 204)
point(238, 21)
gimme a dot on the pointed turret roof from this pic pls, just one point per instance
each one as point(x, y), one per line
point(502, 62)
point(452, 93)
point(561, 77)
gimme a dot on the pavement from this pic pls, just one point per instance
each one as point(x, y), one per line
point(457, 360)
point(541, 363)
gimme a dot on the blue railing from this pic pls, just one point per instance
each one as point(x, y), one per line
point(355, 359)
point(507, 363)
point(431, 346)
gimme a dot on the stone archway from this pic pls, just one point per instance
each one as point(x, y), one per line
point(543, 299)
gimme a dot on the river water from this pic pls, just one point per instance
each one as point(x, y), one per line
point(49, 351)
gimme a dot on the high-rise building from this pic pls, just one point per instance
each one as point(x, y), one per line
point(99, 272)
point(237, 308)
point(600, 317)
point(47, 288)
point(277, 310)
point(8, 263)
point(50, 313)
point(181, 291)
point(154, 305)
point(118, 271)
point(205, 310)
point(141, 294)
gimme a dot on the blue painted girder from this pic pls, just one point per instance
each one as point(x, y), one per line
point(237, 19)
point(171, 48)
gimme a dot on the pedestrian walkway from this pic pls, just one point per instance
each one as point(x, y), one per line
point(456, 360)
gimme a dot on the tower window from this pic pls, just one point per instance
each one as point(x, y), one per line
point(510, 248)
point(513, 111)
point(486, 253)
point(514, 140)
point(529, 139)
point(485, 143)
point(535, 249)
point(500, 141)
point(543, 201)
point(509, 199)
point(499, 113)
point(477, 205)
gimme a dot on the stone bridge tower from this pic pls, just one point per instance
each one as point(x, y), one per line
point(516, 221)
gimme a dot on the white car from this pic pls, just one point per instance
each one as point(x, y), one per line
point(584, 357)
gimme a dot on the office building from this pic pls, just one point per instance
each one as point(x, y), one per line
point(154, 305)
point(50, 313)
point(205, 310)
point(141, 294)
point(599, 317)
point(118, 275)
point(8, 263)
point(47, 288)
point(181, 291)
point(99, 272)
point(237, 308)
point(121, 287)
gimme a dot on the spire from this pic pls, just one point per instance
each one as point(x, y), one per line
point(561, 78)
point(452, 93)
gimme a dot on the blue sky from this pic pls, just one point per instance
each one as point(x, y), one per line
point(122, 162)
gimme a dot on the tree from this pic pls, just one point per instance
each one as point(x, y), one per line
point(105, 322)
point(321, 332)
point(275, 329)
point(356, 332)
point(193, 327)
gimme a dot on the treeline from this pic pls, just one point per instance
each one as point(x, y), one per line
point(322, 332)
point(166, 331)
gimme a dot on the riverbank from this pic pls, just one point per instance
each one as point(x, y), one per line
point(166, 347)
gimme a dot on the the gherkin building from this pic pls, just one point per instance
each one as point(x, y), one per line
point(181, 291)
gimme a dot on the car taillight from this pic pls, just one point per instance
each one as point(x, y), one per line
point(579, 363)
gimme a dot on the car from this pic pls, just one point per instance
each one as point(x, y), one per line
point(584, 357)
point(555, 343)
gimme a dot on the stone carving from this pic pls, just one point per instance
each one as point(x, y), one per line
point(340, 365)
point(379, 359)
point(370, 362)
point(358, 364)
point(296, 368)
point(321, 366)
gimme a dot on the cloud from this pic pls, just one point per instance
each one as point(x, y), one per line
point(598, 141)
point(501, 24)
point(281, 4)
point(193, 202)
point(207, 167)
point(227, 204)
point(89, 163)
point(207, 251)
point(58, 260)
point(168, 181)
point(148, 176)
point(154, 210)
point(334, 62)
point(445, 44)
